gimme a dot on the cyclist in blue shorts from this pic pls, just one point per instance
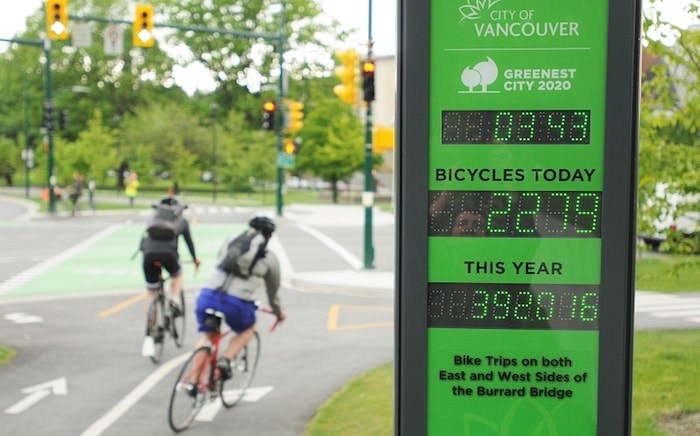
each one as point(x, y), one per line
point(233, 293)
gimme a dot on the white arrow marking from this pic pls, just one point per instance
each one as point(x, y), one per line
point(209, 411)
point(23, 318)
point(38, 392)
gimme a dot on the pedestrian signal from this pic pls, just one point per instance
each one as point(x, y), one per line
point(142, 34)
point(57, 19)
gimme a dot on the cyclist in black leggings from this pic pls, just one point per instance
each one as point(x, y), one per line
point(161, 254)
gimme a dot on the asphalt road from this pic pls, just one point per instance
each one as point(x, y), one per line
point(70, 305)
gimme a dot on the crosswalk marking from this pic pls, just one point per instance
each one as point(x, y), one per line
point(668, 306)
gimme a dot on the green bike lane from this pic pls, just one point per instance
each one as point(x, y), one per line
point(103, 263)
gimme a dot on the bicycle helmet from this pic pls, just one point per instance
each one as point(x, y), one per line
point(263, 224)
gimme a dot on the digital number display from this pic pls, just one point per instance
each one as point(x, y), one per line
point(513, 306)
point(516, 127)
point(515, 214)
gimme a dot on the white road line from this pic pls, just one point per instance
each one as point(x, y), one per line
point(287, 270)
point(339, 249)
point(134, 396)
point(28, 274)
point(209, 411)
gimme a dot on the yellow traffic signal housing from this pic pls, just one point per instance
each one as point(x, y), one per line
point(382, 139)
point(295, 116)
point(57, 19)
point(142, 34)
point(347, 72)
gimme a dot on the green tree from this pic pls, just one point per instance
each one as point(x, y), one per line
point(92, 154)
point(333, 143)
point(669, 148)
point(9, 159)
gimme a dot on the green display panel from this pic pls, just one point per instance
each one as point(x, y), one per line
point(517, 107)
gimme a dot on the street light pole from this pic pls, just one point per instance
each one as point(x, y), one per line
point(213, 108)
point(368, 195)
point(278, 112)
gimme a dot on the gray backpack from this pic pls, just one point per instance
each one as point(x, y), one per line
point(242, 253)
point(163, 226)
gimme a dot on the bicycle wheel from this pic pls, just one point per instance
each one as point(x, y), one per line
point(177, 323)
point(155, 326)
point(187, 398)
point(242, 371)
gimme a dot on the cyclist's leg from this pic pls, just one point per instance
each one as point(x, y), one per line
point(152, 274)
point(240, 316)
point(171, 263)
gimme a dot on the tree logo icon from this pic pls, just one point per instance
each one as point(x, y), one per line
point(474, 8)
point(483, 74)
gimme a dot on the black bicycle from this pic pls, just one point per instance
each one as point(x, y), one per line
point(165, 318)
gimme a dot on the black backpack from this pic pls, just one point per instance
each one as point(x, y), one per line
point(243, 252)
point(164, 223)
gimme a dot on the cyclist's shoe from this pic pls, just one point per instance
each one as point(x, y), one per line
point(224, 366)
point(191, 389)
point(148, 349)
point(175, 309)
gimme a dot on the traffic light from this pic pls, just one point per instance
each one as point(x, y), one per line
point(57, 19)
point(49, 117)
point(290, 147)
point(368, 68)
point(142, 34)
point(295, 116)
point(269, 110)
point(347, 72)
point(63, 119)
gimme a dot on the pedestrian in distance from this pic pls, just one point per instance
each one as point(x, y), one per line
point(132, 188)
point(91, 193)
point(244, 266)
point(159, 245)
point(75, 191)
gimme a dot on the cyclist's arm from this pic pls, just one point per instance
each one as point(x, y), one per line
point(272, 282)
point(188, 239)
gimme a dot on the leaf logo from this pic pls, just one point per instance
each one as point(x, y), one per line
point(473, 9)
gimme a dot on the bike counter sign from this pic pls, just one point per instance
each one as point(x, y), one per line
point(517, 99)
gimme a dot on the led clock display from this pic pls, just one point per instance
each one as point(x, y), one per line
point(515, 214)
point(513, 306)
point(516, 127)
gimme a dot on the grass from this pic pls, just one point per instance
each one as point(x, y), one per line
point(668, 273)
point(666, 366)
point(363, 407)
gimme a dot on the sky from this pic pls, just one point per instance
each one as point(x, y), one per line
point(346, 11)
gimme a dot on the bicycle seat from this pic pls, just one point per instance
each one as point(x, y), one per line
point(213, 318)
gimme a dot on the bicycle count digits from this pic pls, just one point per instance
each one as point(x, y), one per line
point(515, 214)
point(513, 306)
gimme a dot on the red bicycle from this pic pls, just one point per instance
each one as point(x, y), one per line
point(200, 382)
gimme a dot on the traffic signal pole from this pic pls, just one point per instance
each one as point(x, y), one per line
point(278, 123)
point(368, 195)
